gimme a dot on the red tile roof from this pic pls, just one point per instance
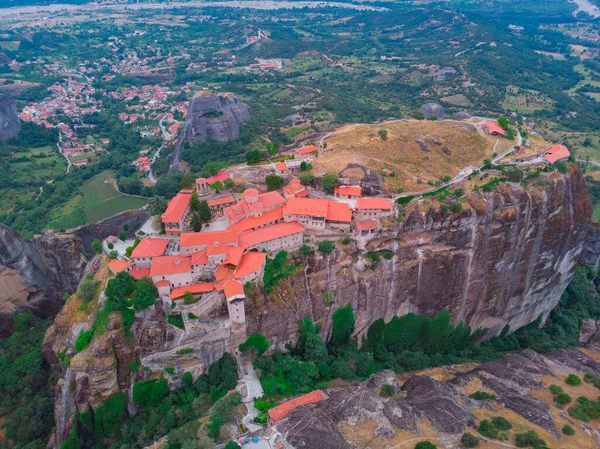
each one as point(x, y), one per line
point(374, 203)
point(232, 289)
point(139, 272)
point(221, 200)
point(249, 223)
point(250, 263)
point(163, 283)
point(556, 153)
point(348, 190)
point(215, 249)
point(281, 411)
point(306, 206)
point(493, 127)
point(150, 247)
point(366, 225)
point(244, 208)
point(295, 188)
point(227, 236)
point(177, 208)
point(118, 265)
point(200, 258)
point(201, 287)
point(281, 166)
point(234, 256)
point(270, 233)
point(306, 150)
point(166, 265)
point(338, 212)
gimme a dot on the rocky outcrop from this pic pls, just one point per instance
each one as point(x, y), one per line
point(589, 335)
point(444, 405)
point(10, 124)
point(214, 117)
point(590, 255)
point(34, 274)
point(462, 116)
point(432, 110)
point(504, 260)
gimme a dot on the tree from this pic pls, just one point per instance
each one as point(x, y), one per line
point(306, 178)
point(271, 148)
point(306, 250)
point(455, 207)
point(217, 186)
point(149, 393)
point(568, 430)
point(561, 166)
point(573, 380)
point(232, 445)
point(329, 182)
point(383, 134)
point(196, 222)
point(503, 122)
point(343, 326)
point(123, 236)
point(487, 164)
point(187, 181)
point(144, 294)
point(274, 182)
point(515, 175)
point(113, 254)
point(253, 156)
point(229, 184)
point(305, 166)
point(326, 246)
point(204, 211)
point(257, 343)
point(386, 391)
point(97, 246)
point(195, 201)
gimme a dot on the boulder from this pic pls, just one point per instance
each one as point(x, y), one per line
point(430, 110)
point(462, 116)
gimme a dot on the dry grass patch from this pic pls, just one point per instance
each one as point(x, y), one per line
point(401, 152)
point(363, 435)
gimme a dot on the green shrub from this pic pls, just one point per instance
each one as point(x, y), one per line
point(386, 391)
point(109, 414)
point(326, 246)
point(306, 250)
point(529, 439)
point(170, 370)
point(487, 429)
point(562, 399)
point(482, 396)
point(83, 340)
point(176, 320)
point(585, 410)
point(149, 393)
point(185, 351)
point(555, 389)
point(469, 440)
point(425, 445)
point(568, 430)
point(255, 342)
point(573, 380)
point(501, 423)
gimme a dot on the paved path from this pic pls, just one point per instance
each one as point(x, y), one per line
point(253, 390)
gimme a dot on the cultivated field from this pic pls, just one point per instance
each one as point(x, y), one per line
point(98, 200)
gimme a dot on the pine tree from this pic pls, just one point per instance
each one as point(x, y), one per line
point(196, 222)
point(195, 202)
point(204, 211)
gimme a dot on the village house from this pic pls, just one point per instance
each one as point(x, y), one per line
point(348, 192)
point(557, 153)
point(494, 129)
point(366, 227)
point(177, 213)
point(367, 208)
point(305, 152)
point(117, 265)
point(318, 214)
point(147, 249)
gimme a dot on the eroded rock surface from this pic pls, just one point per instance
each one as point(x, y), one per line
point(10, 124)
point(443, 405)
point(504, 260)
point(434, 110)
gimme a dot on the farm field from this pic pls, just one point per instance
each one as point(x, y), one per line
point(98, 200)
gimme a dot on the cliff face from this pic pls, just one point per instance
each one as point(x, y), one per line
point(504, 260)
point(214, 117)
point(10, 124)
point(35, 274)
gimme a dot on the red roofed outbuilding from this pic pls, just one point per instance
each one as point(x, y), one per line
point(147, 249)
point(557, 153)
point(494, 129)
